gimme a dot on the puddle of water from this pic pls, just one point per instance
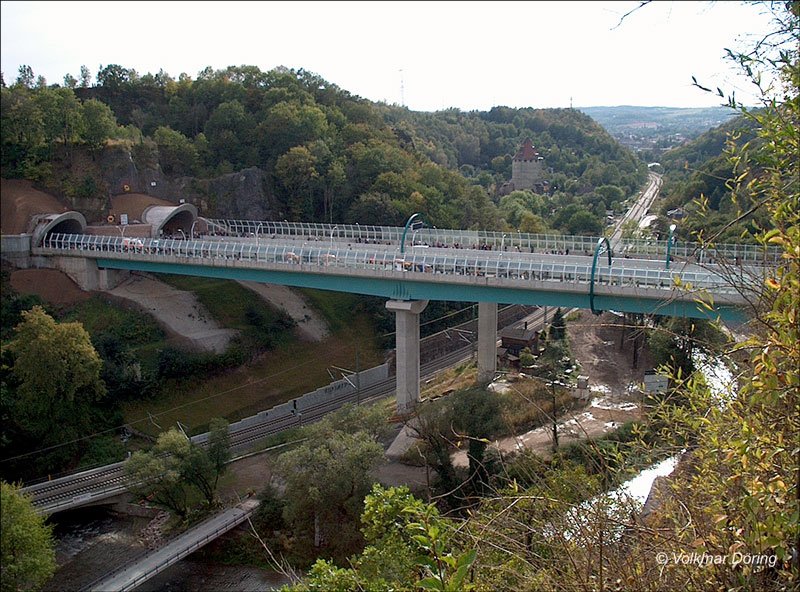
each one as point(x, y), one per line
point(603, 403)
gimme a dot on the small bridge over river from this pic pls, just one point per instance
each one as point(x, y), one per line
point(149, 564)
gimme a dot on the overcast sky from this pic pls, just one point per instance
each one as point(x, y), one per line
point(425, 55)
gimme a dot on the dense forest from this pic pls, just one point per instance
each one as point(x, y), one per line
point(327, 155)
point(697, 180)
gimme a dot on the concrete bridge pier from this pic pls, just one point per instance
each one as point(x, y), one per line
point(487, 341)
point(407, 351)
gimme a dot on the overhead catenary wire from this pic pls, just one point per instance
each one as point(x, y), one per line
point(150, 416)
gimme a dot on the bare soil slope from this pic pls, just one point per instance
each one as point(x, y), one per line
point(19, 202)
point(50, 285)
point(595, 344)
point(178, 312)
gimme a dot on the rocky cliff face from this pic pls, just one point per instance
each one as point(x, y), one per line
point(121, 168)
point(241, 195)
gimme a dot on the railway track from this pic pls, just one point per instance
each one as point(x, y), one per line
point(107, 481)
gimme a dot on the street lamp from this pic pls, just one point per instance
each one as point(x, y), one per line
point(332, 231)
point(405, 230)
point(258, 232)
point(672, 228)
point(191, 231)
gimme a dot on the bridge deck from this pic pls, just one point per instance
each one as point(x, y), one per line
point(145, 567)
point(630, 285)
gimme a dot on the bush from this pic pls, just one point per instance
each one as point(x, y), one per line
point(175, 363)
point(103, 450)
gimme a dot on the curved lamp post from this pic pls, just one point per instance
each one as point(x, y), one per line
point(594, 268)
point(405, 230)
point(669, 242)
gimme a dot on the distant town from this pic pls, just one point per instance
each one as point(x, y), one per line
point(656, 129)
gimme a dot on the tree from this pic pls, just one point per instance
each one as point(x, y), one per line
point(70, 81)
point(26, 545)
point(57, 381)
point(159, 478)
point(86, 77)
point(62, 116)
point(326, 479)
point(289, 124)
point(229, 131)
point(584, 222)
point(25, 76)
point(176, 153)
point(22, 131)
point(100, 124)
point(176, 467)
point(219, 446)
point(374, 208)
point(113, 77)
point(296, 171)
point(477, 415)
point(526, 358)
point(558, 327)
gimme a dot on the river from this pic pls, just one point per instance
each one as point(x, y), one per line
point(91, 541)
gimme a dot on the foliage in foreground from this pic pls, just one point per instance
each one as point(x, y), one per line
point(729, 516)
point(26, 546)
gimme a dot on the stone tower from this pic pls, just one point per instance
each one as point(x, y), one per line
point(527, 168)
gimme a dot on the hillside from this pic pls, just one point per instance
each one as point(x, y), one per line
point(696, 180)
point(19, 202)
point(286, 144)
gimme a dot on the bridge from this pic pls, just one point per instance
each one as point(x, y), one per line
point(407, 265)
point(143, 567)
point(410, 266)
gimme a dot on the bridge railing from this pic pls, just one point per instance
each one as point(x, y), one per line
point(466, 239)
point(182, 548)
point(496, 240)
point(414, 263)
